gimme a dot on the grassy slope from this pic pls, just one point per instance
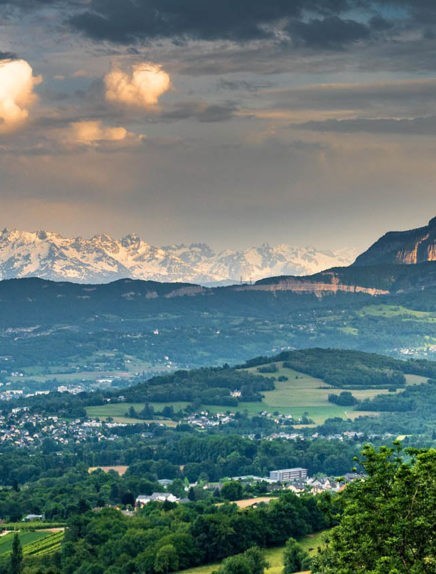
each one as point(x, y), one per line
point(396, 311)
point(299, 394)
point(25, 539)
point(274, 556)
point(34, 543)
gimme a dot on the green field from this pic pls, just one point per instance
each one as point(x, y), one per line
point(318, 413)
point(37, 543)
point(117, 412)
point(274, 556)
point(415, 379)
point(396, 311)
point(68, 374)
point(299, 395)
point(25, 538)
point(302, 394)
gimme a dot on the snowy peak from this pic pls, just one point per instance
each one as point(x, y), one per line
point(102, 258)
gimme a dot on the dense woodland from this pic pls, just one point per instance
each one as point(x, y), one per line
point(56, 482)
point(191, 534)
point(350, 369)
point(385, 523)
point(202, 386)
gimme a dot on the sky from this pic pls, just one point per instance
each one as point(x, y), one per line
point(231, 122)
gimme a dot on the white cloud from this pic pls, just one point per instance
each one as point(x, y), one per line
point(93, 132)
point(16, 93)
point(141, 87)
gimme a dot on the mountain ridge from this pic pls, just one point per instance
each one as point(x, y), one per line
point(103, 259)
point(402, 247)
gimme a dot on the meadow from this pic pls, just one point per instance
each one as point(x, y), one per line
point(274, 556)
point(396, 311)
point(299, 395)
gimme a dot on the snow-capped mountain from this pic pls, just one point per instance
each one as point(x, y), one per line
point(101, 259)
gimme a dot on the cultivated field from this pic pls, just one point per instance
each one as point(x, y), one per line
point(38, 543)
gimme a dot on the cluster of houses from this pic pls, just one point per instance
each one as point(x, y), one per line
point(293, 479)
point(23, 428)
point(204, 419)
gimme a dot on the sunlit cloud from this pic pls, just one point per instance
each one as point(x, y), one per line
point(141, 87)
point(16, 93)
point(92, 132)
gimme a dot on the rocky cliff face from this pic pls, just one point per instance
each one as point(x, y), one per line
point(402, 247)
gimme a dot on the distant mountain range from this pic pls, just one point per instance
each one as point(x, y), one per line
point(372, 305)
point(103, 259)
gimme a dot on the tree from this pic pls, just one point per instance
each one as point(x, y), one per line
point(257, 560)
point(232, 490)
point(388, 522)
point(16, 562)
point(166, 559)
point(295, 557)
point(131, 413)
point(252, 561)
point(345, 399)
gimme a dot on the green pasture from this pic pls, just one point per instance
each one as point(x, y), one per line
point(415, 379)
point(310, 543)
point(301, 394)
point(67, 374)
point(396, 311)
point(117, 412)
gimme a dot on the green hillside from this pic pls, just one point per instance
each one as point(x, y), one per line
point(34, 543)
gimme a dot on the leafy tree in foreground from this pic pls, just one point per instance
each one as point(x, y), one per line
point(16, 564)
point(388, 523)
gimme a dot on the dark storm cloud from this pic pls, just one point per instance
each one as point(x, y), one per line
point(319, 23)
point(35, 4)
point(420, 10)
point(124, 21)
point(329, 33)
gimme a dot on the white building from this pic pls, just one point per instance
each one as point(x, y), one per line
point(288, 474)
point(144, 499)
